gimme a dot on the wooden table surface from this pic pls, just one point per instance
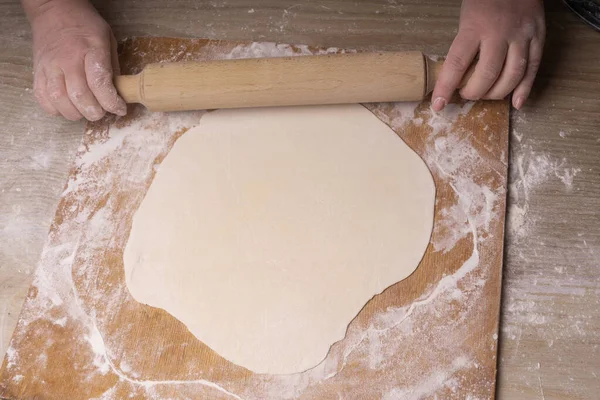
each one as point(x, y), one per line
point(550, 328)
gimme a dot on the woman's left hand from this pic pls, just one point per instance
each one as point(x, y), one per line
point(509, 37)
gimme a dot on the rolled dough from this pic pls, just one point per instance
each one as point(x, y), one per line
point(265, 231)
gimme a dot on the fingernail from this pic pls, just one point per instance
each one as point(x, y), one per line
point(519, 103)
point(122, 108)
point(438, 104)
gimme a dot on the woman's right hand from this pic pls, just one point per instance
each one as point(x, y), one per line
point(74, 59)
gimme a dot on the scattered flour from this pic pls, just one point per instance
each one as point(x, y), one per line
point(551, 296)
point(11, 357)
point(265, 50)
point(530, 169)
point(455, 158)
point(443, 121)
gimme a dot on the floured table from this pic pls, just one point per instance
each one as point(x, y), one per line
point(81, 335)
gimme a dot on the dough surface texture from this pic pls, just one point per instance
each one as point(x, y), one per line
point(265, 231)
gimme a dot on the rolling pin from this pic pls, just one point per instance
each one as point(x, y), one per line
point(284, 81)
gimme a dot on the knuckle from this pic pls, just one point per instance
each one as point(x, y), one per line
point(535, 62)
point(457, 63)
point(100, 51)
point(528, 29)
point(489, 72)
point(100, 82)
point(518, 69)
point(540, 28)
point(103, 31)
point(469, 95)
point(101, 76)
point(76, 94)
point(496, 96)
point(39, 94)
point(111, 92)
point(56, 93)
point(541, 33)
point(534, 65)
point(56, 89)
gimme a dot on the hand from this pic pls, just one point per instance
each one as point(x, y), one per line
point(509, 37)
point(74, 58)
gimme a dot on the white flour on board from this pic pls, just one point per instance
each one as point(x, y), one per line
point(386, 342)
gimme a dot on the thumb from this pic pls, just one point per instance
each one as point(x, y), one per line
point(461, 54)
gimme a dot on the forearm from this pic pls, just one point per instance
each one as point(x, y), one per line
point(35, 8)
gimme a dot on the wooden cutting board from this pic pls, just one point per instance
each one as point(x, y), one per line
point(434, 335)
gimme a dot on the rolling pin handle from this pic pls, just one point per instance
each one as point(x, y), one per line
point(129, 87)
point(432, 71)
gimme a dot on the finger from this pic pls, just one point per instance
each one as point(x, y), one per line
point(80, 94)
point(57, 93)
point(462, 52)
point(487, 70)
point(99, 73)
point(41, 94)
point(512, 73)
point(521, 92)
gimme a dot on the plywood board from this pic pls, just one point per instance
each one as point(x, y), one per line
point(81, 335)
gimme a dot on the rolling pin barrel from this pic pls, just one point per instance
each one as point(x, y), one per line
point(286, 81)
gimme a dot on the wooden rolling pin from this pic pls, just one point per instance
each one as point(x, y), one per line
point(303, 80)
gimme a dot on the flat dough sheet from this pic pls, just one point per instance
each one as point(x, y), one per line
point(266, 231)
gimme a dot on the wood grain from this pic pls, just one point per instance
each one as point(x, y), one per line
point(280, 81)
point(89, 307)
point(551, 320)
